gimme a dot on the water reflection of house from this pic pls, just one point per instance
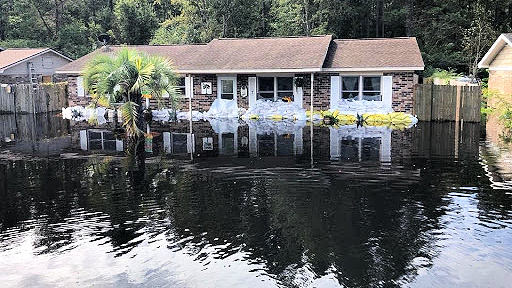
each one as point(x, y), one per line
point(98, 139)
point(353, 143)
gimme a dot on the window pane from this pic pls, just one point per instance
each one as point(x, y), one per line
point(349, 149)
point(95, 145)
point(372, 96)
point(266, 83)
point(350, 83)
point(266, 96)
point(350, 95)
point(109, 145)
point(226, 96)
point(370, 149)
point(227, 86)
point(181, 82)
point(284, 83)
point(371, 83)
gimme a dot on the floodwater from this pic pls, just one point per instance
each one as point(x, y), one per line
point(271, 204)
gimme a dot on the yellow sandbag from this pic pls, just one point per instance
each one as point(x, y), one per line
point(277, 117)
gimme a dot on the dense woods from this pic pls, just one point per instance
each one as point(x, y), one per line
point(453, 34)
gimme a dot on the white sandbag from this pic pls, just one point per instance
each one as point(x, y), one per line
point(224, 125)
point(222, 108)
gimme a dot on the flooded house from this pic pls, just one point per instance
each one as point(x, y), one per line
point(30, 65)
point(318, 70)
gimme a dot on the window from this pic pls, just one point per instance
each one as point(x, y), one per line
point(356, 88)
point(102, 140)
point(180, 86)
point(350, 88)
point(227, 88)
point(359, 149)
point(46, 79)
point(275, 88)
point(371, 89)
point(266, 88)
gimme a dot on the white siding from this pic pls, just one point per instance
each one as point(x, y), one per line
point(44, 64)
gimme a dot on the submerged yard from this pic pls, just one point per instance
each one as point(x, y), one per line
point(254, 204)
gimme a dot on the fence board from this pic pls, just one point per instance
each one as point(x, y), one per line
point(439, 102)
point(24, 99)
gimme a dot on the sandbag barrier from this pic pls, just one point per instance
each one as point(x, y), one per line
point(331, 118)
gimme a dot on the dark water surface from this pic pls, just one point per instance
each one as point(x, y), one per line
point(266, 205)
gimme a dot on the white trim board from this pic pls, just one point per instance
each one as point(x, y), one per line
point(494, 51)
point(291, 71)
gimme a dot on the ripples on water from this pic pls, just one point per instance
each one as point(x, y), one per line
point(426, 215)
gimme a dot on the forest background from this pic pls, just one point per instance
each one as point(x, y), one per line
point(452, 34)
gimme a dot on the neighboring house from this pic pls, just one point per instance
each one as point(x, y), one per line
point(499, 62)
point(29, 65)
point(245, 70)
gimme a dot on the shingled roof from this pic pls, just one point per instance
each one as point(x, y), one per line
point(13, 56)
point(284, 54)
point(181, 56)
point(396, 53)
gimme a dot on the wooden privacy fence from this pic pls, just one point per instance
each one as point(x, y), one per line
point(22, 98)
point(447, 103)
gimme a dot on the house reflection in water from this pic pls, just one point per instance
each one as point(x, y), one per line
point(265, 138)
point(100, 139)
point(358, 144)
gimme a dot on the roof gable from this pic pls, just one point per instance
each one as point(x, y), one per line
point(502, 41)
point(15, 56)
point(265, 53)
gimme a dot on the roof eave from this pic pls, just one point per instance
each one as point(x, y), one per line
point(491, 53)
point(33, 56)
point(373, 69)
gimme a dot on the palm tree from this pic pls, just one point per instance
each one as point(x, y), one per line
point(123, 77)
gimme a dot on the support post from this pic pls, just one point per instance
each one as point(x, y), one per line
point(311, 120)
point(457, 119)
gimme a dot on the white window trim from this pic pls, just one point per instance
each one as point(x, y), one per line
point(219, 86)
point(80, 89)
point(361, 86)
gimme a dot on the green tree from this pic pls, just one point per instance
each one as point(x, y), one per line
point(124, 77)
point(135, 21)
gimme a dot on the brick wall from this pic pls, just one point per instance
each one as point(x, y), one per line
point(73, 99)
point(403, 91)
point(501, 80)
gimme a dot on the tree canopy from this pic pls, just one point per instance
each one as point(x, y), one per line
point(452, 34)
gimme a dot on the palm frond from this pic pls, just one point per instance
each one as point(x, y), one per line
point(130, 116)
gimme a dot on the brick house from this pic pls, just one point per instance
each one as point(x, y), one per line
point(246, 70)
point(29, 65)
point(499, 62)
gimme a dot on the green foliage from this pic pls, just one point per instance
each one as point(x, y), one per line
point(124, 76)
point(130, 117)
point(451, 33)
point(135, 21)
